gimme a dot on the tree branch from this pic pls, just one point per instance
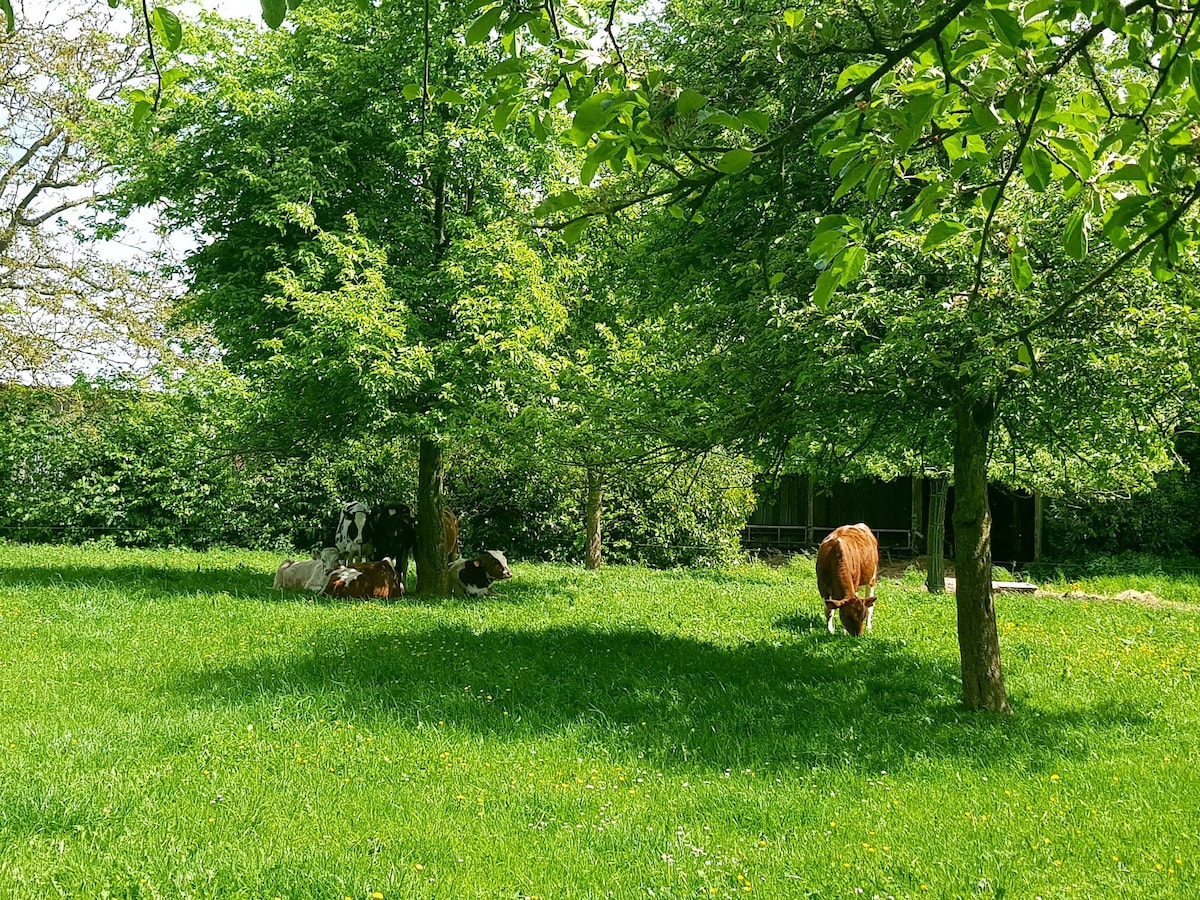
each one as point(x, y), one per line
point(153, 55)
point(1105, 273)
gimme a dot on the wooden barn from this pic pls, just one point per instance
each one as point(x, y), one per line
point(795, 512)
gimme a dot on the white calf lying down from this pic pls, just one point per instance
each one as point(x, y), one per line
point(306, 574)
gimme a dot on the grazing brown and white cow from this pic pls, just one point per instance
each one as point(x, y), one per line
point(365, 580)
point(306, 574)
point(475, 576)
point(847, 560)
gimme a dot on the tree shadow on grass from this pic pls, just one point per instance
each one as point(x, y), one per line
point(164, 582)
point(867, 705)
point(171, 582)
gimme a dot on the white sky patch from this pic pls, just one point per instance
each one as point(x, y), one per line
point(231, 9)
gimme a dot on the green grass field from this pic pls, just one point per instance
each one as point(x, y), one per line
point(172, 727)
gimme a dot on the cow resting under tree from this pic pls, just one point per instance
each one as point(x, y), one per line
point(306, 574)
point(364, 581)
point(386, 531)
point(847, 560)
point(474, 577)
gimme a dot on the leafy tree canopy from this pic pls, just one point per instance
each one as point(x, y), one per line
point(356, 249)
point(68, 299)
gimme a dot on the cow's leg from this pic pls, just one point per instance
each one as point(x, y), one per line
point(829, 620)
point(870, 613)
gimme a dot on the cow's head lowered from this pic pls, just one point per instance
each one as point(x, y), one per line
point(853, 613)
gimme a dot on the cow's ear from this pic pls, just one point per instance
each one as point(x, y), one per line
point(834, 604)
point(869, 601)
point(474, 564)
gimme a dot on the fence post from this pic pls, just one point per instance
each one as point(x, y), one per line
point(935, 542)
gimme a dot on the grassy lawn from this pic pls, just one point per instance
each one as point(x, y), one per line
point(170, 727)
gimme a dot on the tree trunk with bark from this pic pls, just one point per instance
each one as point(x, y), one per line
point(935, 541)
point(432, 573)
point(593, 557)
point(978, 636)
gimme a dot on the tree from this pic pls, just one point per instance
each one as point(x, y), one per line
point(1026, 149)
point(357, 257)
point(69, 299)
point(993, 145)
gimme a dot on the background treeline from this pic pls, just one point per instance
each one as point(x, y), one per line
point(1162, 522)
point(111, 461)
point(114, 462)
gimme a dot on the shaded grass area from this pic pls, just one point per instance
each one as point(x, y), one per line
point(176, 728)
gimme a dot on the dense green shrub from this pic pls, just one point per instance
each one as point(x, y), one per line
point(115, 462)
point(148, 468)
point(1162, 522)
point(687, 515)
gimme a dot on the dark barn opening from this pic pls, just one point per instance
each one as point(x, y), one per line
point(795, 512)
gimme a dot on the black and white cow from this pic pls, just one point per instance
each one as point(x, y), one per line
point(393, 532)
point(474, 577)
point(351, 533)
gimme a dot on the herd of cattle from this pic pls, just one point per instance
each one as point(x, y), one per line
point(847, 560)
point(370, 553)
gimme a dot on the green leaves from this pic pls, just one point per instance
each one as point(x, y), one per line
point(167, 28)
point(942, 231)
point(556, 203)
point(273, 12)
point(1007, 27)
point(481, 29)
point(756, 119)
point(793, 18)
point(1036, 165)
point(6, 5)
point(1075, 238)
point(589, 118)
point(732, 162)
point(689, 102)
point(142, 103)
point(1020, 269)
point(837, 255)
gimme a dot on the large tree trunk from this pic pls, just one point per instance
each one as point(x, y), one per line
point(593, 558)
point(432, 573)
point(978, 637)
point(935, 540)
